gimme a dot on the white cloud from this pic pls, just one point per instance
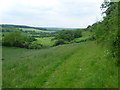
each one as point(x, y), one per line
point(60, 13)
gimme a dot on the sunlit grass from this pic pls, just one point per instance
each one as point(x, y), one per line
point(46, 41)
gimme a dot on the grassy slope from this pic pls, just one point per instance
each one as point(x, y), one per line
point(85, 35)
point(81, 65)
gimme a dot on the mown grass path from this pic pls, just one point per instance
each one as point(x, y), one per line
point(81, 65)
point(87, 67)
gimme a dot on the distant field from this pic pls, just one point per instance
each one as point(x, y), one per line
point(78, 65)
point(30, 29)
point(36, 30)
point(46, 41)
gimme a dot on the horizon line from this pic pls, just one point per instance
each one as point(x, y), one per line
point(39, 26)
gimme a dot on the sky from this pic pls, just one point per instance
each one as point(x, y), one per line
point(51, 13)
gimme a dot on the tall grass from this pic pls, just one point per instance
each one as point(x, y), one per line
point(81, 65)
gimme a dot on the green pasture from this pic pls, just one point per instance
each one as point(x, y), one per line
point(46, 41)
point(78, 65)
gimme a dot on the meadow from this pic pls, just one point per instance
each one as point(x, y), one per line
point(77, 65)
point(81, 63)
point(74, 58)
point(46, 41)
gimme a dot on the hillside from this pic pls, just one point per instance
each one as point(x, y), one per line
point(35, 28)
point(36, 32)
point(38, 57)
point(80, 65)
point(20, 26)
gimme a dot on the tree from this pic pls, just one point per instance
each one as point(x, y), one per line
point(17, 39)
point(68, 35)
point(107, 31)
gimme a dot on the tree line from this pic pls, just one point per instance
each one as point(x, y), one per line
point(66, 36)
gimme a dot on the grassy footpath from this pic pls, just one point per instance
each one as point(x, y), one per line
point(79, 65)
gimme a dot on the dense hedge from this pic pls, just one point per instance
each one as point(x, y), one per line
point(106, 32)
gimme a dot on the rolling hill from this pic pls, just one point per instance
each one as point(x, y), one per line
point(35, 28)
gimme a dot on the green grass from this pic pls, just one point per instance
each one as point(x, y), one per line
point(80, 39)
point(85, 36)
point(87, 33)
point(78, 65)
point(46, 41)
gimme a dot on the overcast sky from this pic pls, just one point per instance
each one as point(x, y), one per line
point(52, 13)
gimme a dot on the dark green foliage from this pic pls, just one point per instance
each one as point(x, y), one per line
point(77, 33)
point(35, 46)
point(41, 34)
point(36, 34)
point(60, 42)
point(17, 39)
point(65, 36)
point(68, 35)
point(89, 28)
point(20, 26)
point(14, 38)
point(106, 31)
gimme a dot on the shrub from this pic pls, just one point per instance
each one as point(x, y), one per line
point(60, 42)
point(77, 33)
point(106, 32)
point(68, 35)
point(35, 46)
point(17, 39)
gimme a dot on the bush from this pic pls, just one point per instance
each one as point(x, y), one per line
point(60, 42)
point(77, 33)
point(17, 39)
point(106, 32)
point(35, 46)
point(68, 35)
